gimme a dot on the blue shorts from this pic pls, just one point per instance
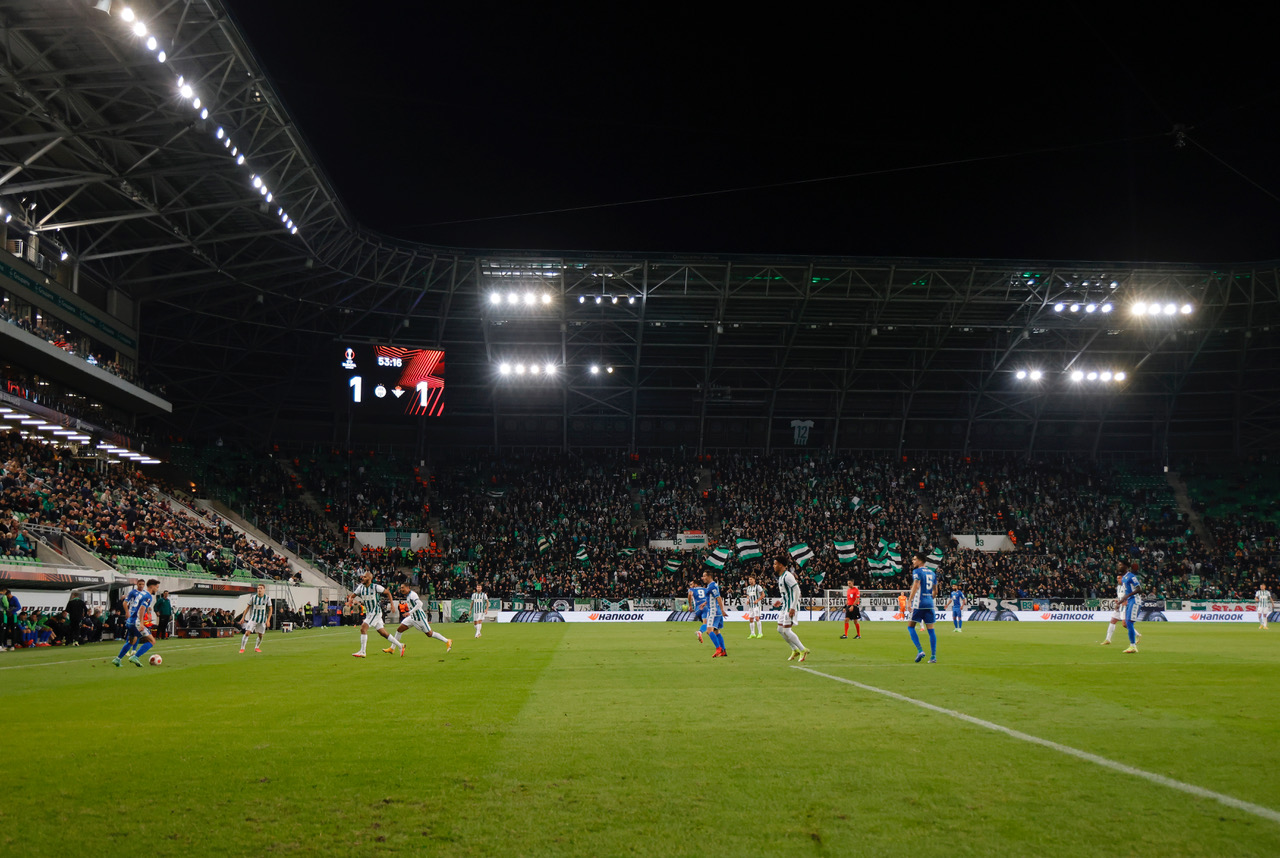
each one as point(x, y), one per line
point(1131, 608)
point(955, 613)
point(717, 623)
point(923, 615)
point(700, 614)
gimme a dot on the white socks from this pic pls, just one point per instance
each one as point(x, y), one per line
point(790, 637)
point(439, 636)
point(364, 642)
point(1111, 627)
point(244, 641)
point(393, 640)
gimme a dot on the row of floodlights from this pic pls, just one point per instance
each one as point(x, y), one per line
point(1076, 307)
point(139, 29)
point(1155, 308)
point(548, 369)
point(514, 298)
point(37, 424)
point(1076, 375)
point(600, 299)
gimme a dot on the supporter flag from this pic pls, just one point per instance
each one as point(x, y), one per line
point(673, 565)
point(626, 552)
point(748, 549)
point(890, 550)
point(582, 555)
point(935, 559)
point(817, 579)
point(543, 545)
point(881, 564)
point(800, 553)
point(855, 503)
point(874, 508)
point(496, 493)
point(717, 558)
point(844, 550)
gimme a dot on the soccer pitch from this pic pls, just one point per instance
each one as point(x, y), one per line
point(567, 739)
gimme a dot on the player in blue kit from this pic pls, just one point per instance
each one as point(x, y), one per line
point(958, 604)
point(1130, 603)
point(923, 580)
point(136, 626)
point(698, 598)
point(715, 615)
point(139, 587)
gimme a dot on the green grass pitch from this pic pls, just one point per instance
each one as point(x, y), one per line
point(565, 739)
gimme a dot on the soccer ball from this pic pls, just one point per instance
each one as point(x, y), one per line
point(156, 661)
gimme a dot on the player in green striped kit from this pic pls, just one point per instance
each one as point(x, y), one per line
point(256, 618)
point(479, 605)
point(368, 594)
point(416, 617)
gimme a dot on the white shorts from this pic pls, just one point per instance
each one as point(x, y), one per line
point(373, 621)
point(785, 620)
point(753, 614)
point(478, 618)
point(1117, 617)
point(252, 628)
point(421, 625)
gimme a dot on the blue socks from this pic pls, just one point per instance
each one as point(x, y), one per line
point(702, 628)
point(717, 639)
point(933, 644)
point(124, 648)
point(1133, 639)
point(915, 638)
point(142, 650)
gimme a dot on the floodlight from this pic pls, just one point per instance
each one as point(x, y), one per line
point(1170, 309)
point(495, 298)
point(220, 133)
point(293, 230)
point(513, 298)
point(161, 57)
point(263, 190)
point(614, 299)
point(1059, 307)
point(1186, 309)
point(519, 369)
point(1036, 374)
point(1022, 373)
point(505, 369)
point(1139, 308)
point(598, 299)
point(608, 369)
point(139, 29)
point(269, 196)
point(546, 299)
point(1075, 308)
point(1119, 376)
point(102, 6)
point(631, 299)
point(186, 90)
point(240, 160)
point(1077, 375)
point(533, 369)
point(234, 150)
point(195, 103)
point(1089, 308)
point(1106, 308)
point(595, 370)
point(257, 182)
point(126, 15)
point(204, 114)
point(152, 44)
point(65, 255)
point(528, 298)
point(1092, 376)
point(551, 369)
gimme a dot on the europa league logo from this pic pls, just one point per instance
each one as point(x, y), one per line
point(350, 362)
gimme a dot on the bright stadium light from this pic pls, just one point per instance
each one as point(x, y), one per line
point(534, 369)
point(126, 15)
point(1105, 375)
point(161, 57)
point(1092, 376)
point(152, 44)
point(1059, 307)
point(1089, 308)
point(551, 369)
point(1075, 308)
point(139, 29)
point(631, 299)
point(608, 369)
point(528, 298)
point(1186, 309)
point(1140, 308)
point(513, 298)
point(1022, 373)
point(186, 90)
point(582, 299)
point(505, 368)
point(240, 160)
point(1106, 308)
point(546, 299)
point(595, 370)
point(598, 299)
point(1036, 375)
point(195, 103)
point(519, 369)
point(1077, 375)
point(1170, 309)
point(495, 298)
point(1119, 376)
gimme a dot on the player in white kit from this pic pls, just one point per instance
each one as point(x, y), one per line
point(415, 618)
point(1263, 598)
point(370, 595)
point(256, 618)
point(788, 605)
point(479, 605)
point(755, 600)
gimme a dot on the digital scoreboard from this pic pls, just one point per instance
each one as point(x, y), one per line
point(393, 380)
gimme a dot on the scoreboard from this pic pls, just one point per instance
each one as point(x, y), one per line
point(387, 380)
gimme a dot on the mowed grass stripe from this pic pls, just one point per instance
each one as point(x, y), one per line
point(1191, 789)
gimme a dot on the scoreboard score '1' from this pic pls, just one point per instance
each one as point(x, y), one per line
point(393, 380)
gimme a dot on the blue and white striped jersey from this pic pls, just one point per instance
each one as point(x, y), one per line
point(141, 607)
point(713, 600)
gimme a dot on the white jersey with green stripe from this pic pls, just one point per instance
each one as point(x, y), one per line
point(789, 591)
point(258, 606)
point(755, 594)
point(368, 595)
point(479, 604)
point(417, 610)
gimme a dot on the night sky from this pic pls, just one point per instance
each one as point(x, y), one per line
point(426, 114)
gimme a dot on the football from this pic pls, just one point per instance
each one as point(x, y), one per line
point(156, 661)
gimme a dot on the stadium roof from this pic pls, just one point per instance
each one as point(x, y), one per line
point(108, 158)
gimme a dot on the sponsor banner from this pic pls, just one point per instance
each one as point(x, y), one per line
point(985, 541)
point(638, 616)
point(1245, 616)
point(1229, 606)
point(980, 615)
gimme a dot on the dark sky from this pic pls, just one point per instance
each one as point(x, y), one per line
point(423, 114)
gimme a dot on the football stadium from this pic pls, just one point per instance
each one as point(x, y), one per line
point(346, 510)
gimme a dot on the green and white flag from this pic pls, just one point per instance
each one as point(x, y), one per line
point(880, 563)
point(855, 503)
point(890, 550)
point(748, 549)
point(717, 558)
point(874, 508)
point(844, 550)
point(935, 559)
point(673, 565)
point(496, 493)
point(817, 579)
point(626, 552)
point(800, 553)
point(582, 554)
point(543, 545)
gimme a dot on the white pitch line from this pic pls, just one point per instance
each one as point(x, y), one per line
point(1191, 789)
point(206, 643)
